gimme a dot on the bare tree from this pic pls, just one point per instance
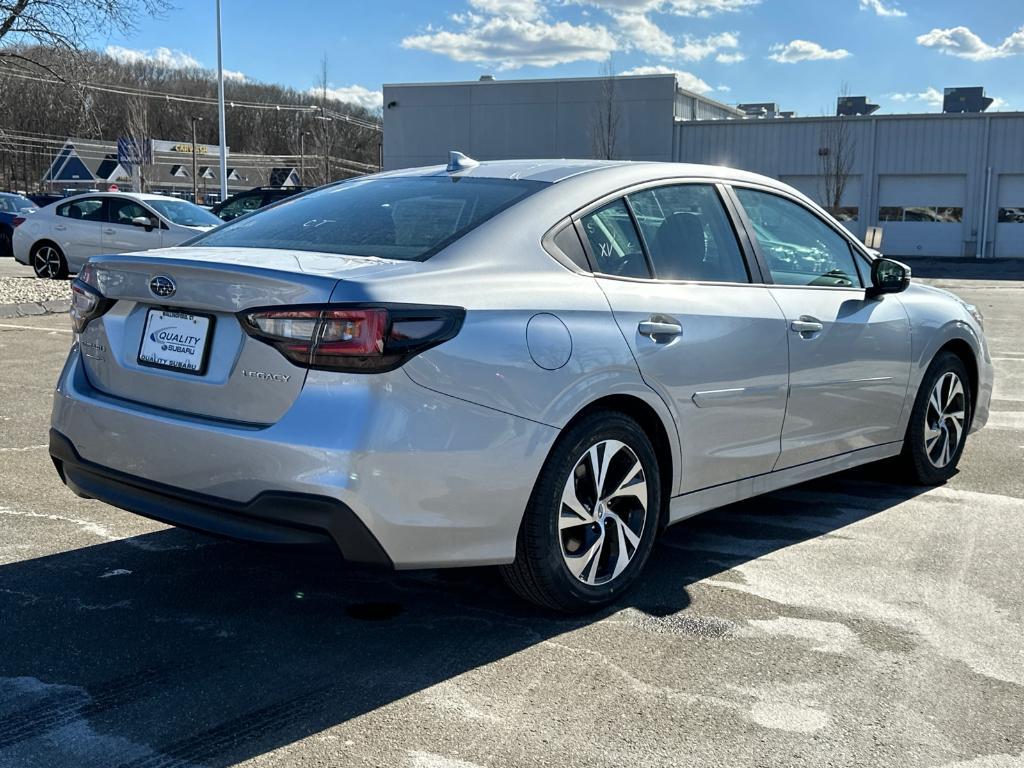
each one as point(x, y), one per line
point(837, 154)
point(604, 121)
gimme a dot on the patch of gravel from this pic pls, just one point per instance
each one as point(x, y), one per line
point(23, 290)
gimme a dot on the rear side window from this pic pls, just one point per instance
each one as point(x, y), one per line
point(408, 218)
point(89, 209)
point(800, 248)
point(614, 242)
point(688, 234)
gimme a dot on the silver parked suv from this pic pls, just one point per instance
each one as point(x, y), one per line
point(533, 364)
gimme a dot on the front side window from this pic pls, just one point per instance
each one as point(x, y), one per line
point(614, 242)
point(121, 210)
point(408, 218)
point(800, 248)
point(86, 209)
point(688, 235)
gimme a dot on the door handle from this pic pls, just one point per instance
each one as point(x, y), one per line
point(109, 231)
point(654, 328)
point(806, 324)
point(60, 227)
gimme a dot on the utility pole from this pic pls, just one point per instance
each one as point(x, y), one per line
point(302, 156)
point(220, 113)
point(195, 169)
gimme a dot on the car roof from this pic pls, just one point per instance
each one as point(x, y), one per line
point(554, 171)
point(133, 195)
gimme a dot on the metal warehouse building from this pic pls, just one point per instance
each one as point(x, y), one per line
point(938, 184)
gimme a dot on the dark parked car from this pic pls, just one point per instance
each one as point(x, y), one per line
point(44, 199)
point(251, 200)
point(13, 209)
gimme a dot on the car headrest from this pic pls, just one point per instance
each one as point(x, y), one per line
point(680, 241)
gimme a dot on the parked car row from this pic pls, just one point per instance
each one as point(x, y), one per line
point(58, 239)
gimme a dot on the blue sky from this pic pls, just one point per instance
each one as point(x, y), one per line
point(900, 53)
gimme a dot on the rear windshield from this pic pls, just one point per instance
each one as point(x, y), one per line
point(410, 218)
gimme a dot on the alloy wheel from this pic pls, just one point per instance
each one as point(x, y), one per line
point(944, 420)
point(603, 512)
point(47, 262)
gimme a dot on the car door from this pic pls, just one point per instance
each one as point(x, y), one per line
point(849, 354)
point(77, 228)
point(707, 337)
point(121, 236)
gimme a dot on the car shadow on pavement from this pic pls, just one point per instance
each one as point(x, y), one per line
point(172, 648)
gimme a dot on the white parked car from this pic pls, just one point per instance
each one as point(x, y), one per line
point(58, 239)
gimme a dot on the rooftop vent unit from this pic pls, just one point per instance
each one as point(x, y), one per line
point(851, 106)
point(973, 99)
point(487, 78)
point(760, 109)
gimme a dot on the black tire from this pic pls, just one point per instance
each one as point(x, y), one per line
point(540, 573)
point(48, 261)
point(928, 463)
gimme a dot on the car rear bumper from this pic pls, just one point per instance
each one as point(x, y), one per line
point(367, 460)
point(271, 518)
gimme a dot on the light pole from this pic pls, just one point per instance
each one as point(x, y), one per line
point(220, 114)
point(195, 180)
point(302, 156)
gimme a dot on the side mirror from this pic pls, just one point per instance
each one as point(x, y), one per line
point(888, 276)
point(143, 221)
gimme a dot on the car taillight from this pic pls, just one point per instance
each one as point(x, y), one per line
point(17, 221)
point(87, 303)
point(364, 339)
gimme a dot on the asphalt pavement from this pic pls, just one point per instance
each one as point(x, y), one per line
point(852, 621)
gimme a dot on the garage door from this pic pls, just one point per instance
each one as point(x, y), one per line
point(1009, 236)
point(921, 215)
point(812, 186)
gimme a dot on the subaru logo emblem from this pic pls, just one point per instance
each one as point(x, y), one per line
point(162, 286)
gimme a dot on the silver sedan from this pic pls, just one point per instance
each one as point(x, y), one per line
point(531, 364)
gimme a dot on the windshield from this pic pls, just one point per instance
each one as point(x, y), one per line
point(16, 204)
point(407, 218)
point(184, 213)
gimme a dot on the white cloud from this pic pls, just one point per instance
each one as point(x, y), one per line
point(522, 9)
point(640, 32)
point(998, 103)
point(699, 8)
point(695, 50)
point(231, 74)
point(930, 96)
point(353, 94)
point(723, 88)
point(963, 43)
point(166, 57)
point(881, 9)
point(804, 50)
point(730, 58)
point(508, 42)
point(686, 80)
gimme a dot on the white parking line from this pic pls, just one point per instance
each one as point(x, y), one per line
point(34, 328)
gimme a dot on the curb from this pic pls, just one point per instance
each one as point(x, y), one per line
point(34, 308)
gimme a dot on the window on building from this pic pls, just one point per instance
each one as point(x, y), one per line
point(1011, 215)
point(922, 214)
point(614, 241)
point(799, 247)
point(688, 235)
point(847, 213)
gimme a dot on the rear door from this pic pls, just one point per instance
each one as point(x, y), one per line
point(849, 354)
point(78, 229)
point(706, 334)
point(121, 236)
